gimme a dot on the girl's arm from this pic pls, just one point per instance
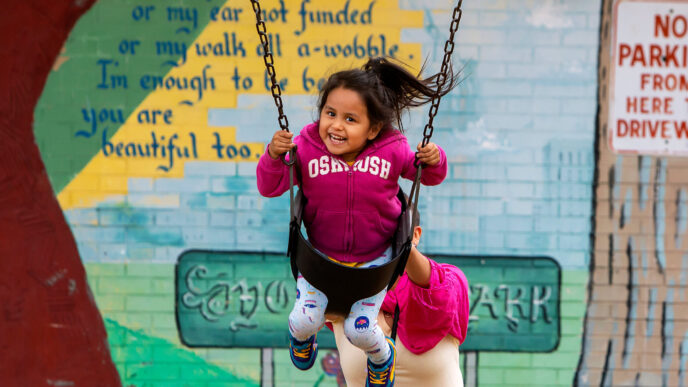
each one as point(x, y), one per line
point(418, 268)
point(272, 173)
point(431, 174)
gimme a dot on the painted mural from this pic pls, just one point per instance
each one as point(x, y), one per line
point(149, 118)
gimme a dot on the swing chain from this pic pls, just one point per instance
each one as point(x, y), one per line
point(270, 65)
point(443, 74)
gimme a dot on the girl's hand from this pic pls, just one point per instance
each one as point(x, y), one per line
point(429, 154)
point(281, 143)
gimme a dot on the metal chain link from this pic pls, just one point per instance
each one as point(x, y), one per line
point(270, 65)
point(443, 74)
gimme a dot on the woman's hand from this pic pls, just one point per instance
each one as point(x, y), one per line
point(428, 154)
point(281, 143)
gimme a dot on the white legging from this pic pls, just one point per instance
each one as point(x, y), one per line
point(360, 326)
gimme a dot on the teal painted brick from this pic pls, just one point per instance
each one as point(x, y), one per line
point(554, 360)
point(247, 169)
point(571, 326)
point(222, 219)
point(168, 254)
point(505, 88)
point(153, 200)
point(233, 184)
point(209, 236)
point(249, 202)
point(140, 251)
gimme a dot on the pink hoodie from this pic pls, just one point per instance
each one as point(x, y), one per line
point(352, 212)
point(427, 315)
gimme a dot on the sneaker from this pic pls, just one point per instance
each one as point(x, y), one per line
point(303, 353)
point(382, 375)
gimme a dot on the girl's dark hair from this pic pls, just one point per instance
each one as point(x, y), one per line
point(387, 89)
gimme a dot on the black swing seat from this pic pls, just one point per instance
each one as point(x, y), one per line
point(341, 284)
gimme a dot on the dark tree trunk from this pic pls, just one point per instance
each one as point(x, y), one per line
point(51, 332)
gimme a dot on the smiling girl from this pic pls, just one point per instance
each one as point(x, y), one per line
point(350, 161)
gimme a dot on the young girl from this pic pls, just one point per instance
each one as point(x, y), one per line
point(433, 300)
point(350, 161)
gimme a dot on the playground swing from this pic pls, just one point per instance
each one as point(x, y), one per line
point(341, 284)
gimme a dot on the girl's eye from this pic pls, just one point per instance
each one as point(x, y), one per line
point(331, 114)
point(350, 119)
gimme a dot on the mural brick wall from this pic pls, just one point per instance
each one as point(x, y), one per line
point(154, 115)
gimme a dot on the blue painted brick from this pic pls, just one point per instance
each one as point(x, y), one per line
point(168, 253)
point(519, 207)
point(530, 38)
point(530, 241)
point(506, 54)
point(586, 38)
point(194, 200)
point(140, 251)
point(250, 219)
point(222, 219)
point(247, 169)
point(525, 173)
point(491, 240)
point(249, 202)
point(125, 217)
point(112, 251)
point(85, 216)
point(158, 235)
point(140, 184)
point(561, 89)
point(181, 218)
point(234, 184)
point(575, 208)
point(494, 19)
point(505, 88)
point(210, 168)
point(480, 36)
point(221, 201)
point(572, 241)
point(98, 234)
point(189, 184)
point(491, 71)
point(88, 251)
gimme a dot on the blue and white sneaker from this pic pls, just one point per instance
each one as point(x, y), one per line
point(303, 353)
point(383, 375)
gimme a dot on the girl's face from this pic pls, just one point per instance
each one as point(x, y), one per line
point(344, 125)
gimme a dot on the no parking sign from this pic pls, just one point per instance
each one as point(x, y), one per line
point(648, 106)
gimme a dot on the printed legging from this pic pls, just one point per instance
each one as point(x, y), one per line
point(360, 326)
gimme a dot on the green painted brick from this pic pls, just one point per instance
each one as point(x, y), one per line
point(110, 302)
point(150, 270)
point(508, 360)
point(565, 378)
point(489, 376)
point(555, 360)
point(574, 293)
point(571, 326)
point(105, 269)
point(162, 286)
point(544, 377)
point(150, 303)
point(573, 309)
point(575, 277)
point(125, 285)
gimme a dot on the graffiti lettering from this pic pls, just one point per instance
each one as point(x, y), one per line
point(213, 297)
point(343, 16)
point(518, 304)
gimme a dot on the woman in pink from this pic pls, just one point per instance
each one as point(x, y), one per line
point(433, 302)
point(349, 163)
